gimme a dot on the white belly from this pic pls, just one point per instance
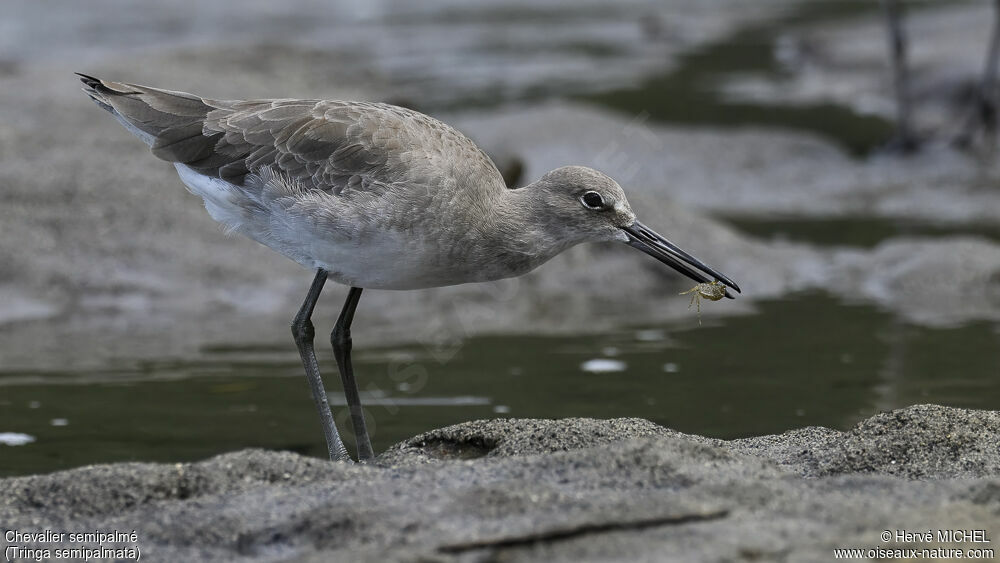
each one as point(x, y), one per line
point(374, 258)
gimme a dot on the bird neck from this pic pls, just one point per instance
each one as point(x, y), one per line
point(523, 226)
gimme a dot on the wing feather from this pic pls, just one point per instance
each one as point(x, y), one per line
point(332, 146)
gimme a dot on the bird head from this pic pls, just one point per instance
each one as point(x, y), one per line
point(580, 204)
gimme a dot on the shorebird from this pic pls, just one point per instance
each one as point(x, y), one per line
point(372, 195)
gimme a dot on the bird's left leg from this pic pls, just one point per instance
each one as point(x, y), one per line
point(340, 338)
point(303, 332)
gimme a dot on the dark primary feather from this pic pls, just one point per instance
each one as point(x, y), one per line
point(328, 145)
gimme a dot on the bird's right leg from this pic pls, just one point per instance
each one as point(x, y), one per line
point(303, 332)
point(340, 338)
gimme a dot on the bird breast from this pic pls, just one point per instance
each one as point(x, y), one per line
point(424, 239)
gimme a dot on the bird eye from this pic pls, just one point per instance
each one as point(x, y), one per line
point(592, 200)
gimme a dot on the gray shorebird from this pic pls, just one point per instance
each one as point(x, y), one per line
point(374, 196)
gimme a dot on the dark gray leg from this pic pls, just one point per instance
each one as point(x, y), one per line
point(303, 332)
point(340, 338)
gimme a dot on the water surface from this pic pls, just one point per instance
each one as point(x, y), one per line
point(689, 93)
point(807, 360)
point(859, 232)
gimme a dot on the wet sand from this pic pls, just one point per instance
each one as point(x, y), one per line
point(530, 490)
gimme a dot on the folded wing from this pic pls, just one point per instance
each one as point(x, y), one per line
point(326, 145)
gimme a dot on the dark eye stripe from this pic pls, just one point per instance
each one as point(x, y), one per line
point(593, 200)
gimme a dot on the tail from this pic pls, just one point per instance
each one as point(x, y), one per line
point(171, 123)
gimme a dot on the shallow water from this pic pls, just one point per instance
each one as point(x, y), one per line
point(742, 376)
point(442, 55)
point(689, 93)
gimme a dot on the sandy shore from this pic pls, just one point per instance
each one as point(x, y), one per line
point(529, 490)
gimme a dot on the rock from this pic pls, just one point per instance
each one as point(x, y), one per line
point(936, 282)
point(919, 442)
point(504, 437)
point(575, 489)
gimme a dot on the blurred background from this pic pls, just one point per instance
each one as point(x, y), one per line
point(855, 200)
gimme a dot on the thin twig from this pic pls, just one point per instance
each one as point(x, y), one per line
point(560, 534)
point(896, 35)
point(984, 112)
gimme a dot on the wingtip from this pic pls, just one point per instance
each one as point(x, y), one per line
point(90, 81)
point(95, 89)
point(106, 87)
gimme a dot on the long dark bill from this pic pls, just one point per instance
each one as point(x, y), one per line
point(648, 241)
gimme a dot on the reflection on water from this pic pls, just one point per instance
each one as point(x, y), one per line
point(804, 361)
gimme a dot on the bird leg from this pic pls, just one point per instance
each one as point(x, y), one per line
point(303, 333)
point(340, 338)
